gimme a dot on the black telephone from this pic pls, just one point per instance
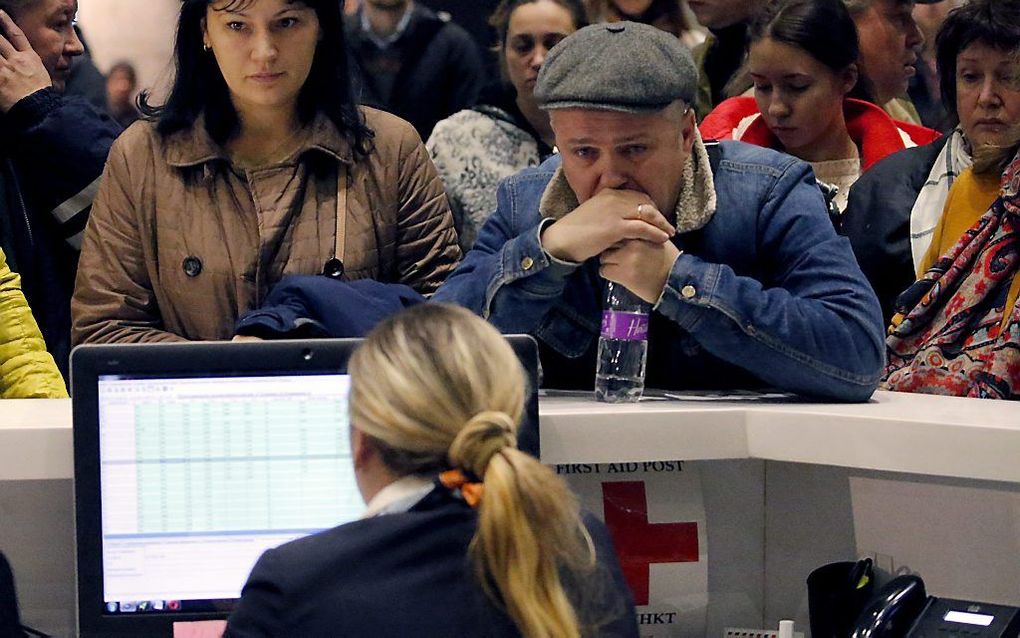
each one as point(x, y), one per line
point(903, 609)
point(893, 609)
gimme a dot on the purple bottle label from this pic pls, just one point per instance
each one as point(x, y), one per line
point(624, 326)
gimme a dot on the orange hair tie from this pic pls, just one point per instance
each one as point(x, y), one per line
point(457, 480)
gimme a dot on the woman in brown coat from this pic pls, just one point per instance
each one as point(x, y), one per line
point(259, 165)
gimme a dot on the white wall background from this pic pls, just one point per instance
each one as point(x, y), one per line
point(139, 31)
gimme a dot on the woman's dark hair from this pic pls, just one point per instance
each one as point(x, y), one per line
point(995, 23)
point(600, 11)
point(199, 86)
point(821, 28)
point(500, 18)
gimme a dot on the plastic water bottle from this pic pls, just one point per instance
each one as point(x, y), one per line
point(623, 346)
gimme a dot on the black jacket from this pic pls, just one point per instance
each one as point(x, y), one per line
point(473, 15)
point(440, 70)
point(877, 219)
point(403, 574)
point(52, 153)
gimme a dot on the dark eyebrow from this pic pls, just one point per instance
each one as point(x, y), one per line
point(631, 139)
point(623, 141)
point(785, 77)
point(295, 7)
point(298, 7)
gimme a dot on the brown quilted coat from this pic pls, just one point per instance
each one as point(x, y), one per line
point(180, 243)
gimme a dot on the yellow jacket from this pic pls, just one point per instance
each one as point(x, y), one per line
point(27, 370)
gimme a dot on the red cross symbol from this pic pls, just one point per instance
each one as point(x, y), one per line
point(639, 543)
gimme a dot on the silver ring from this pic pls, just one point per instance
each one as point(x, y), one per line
point(639, 210)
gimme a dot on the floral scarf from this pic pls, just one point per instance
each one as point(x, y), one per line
point(960, 339)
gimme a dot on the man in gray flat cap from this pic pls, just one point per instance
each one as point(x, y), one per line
point(731, 243)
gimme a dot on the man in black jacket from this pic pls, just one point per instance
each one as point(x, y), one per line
point(473, 15)
point(413, 64)
point(52, 152)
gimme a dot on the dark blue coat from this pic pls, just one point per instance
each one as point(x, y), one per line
point(52, 152)
point(403, 574)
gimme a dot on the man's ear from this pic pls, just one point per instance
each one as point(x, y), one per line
point(688, 126)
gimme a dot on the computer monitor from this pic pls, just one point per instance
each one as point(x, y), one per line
point(192, 459)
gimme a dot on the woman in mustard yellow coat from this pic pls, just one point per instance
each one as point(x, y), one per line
point(27, 370)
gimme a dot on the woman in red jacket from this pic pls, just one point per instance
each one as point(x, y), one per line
point(802, 58)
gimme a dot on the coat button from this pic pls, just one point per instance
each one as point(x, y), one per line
point(192, 266)
point(527, 263)
point(333, 268)
point(688, 292)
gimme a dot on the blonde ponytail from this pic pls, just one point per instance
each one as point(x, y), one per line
point(526, 517)
point(442, 389)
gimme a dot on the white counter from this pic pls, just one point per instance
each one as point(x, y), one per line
point(35, 439)
point(919, 434)
point(928, 482)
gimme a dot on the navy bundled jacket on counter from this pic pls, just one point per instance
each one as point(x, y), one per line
point(308, 306)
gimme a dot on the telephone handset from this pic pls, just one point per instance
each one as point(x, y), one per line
point(893, 609)
point(903, 609)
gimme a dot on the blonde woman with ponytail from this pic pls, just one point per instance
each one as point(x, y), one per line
point(464, 534)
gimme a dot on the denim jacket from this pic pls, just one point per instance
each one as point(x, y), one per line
point(765, 294)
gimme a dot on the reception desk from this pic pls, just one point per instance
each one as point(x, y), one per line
point(930, 435)
point(924, 484)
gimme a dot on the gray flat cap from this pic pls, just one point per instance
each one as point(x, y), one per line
point(620, 66)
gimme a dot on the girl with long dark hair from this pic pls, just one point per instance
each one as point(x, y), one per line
point(803, 59)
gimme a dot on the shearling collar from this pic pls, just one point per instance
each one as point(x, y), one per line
point(694, 208)
point(194, 146)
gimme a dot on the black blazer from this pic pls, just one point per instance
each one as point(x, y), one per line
point(404, 574)
point(877, 219)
